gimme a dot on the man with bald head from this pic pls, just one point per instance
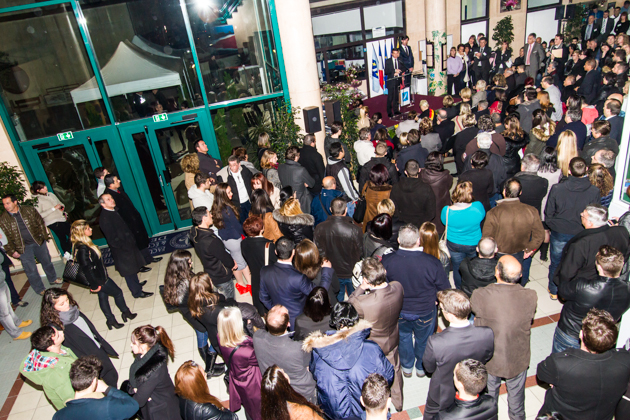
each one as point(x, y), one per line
point(508, 308)
point(320, 206)
point(479, 271)
point(277, 347)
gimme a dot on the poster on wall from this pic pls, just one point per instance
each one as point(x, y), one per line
point(378, 52)
point(510, 5)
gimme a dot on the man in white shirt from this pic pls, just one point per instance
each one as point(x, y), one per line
point(239, 179)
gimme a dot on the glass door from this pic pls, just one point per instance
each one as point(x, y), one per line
point(158, 149)
point(67, 168)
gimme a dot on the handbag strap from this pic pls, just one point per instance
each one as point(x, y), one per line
point(445, 236)
point(229, 360)
point(321, 203)
point(267, 254)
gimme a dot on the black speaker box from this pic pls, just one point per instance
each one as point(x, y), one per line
point(569, 15)
point(312, 122)
point(333, 111)
point(559, 13)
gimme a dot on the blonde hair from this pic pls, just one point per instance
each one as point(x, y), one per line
point(291, 207)
point(566, 150)
point(424, 104)
point(545, 102)
point(403, 139)
point(463, 193)
point(230, 327)
point(465, 108)
point(465, 93)
point(263, 140)
point(386, 206)
point(78, 236)
point(364, 112)
point(190, 163)
point(265, 160)
point(481, 85)
point(448, 101)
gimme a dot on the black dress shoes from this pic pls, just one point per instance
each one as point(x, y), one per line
point(144, 295)
point(142, 283)
point(145, 269)
point(157, 259)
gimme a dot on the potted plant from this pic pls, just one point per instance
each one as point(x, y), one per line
point(503, 32)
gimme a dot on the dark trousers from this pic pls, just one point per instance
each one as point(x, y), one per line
point(133, 283)
point(62, 232)
point(6, 267)
point(452, 80)
point(245, 209)
point(392, 98)
point(108, 374)
point(481, 74)
point(111, 289)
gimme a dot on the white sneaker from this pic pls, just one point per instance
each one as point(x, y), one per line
point(67, 256)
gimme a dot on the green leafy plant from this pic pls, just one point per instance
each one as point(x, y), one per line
point(503, 32)
point(12, 181)
point(282, 129)
point(345, 94)
point(573, 27)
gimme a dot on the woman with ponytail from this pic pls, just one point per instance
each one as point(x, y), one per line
point(149, 382)
point(279, 401)
point(195, 400)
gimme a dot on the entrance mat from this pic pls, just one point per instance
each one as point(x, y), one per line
point(163, 244)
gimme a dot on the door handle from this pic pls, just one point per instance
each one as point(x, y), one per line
point(161, 182)
point(89, 139)
point(167, 176)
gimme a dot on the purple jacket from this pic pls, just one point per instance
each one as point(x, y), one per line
point(454, 65)
point(245, 379)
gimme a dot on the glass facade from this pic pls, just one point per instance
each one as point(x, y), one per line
point(474, 9)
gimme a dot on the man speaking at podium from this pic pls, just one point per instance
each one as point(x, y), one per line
point(394, 68)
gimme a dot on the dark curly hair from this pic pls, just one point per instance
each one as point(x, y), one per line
point(178, 270)
point(276, 392)
point(48, 314)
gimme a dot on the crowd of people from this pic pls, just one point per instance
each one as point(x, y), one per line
point(348, 265)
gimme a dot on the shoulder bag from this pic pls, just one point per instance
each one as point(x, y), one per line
point(226, 377)
point(442, 244)
point(72, 273)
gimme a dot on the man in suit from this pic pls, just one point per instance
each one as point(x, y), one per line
point(131, 216)
point(313, 162)
point(239, 178)
point(444, 127)
point(275, 346)
point(380, 303)
point(606, 25)
point(406, 57)
point(282, 284)
point(589, 31)
point(562, 60)
point(508, 308)
point(481, 65)
point(291, 173)
point(573, 120)
point(534, 56)
point(393, 69)
point(612, 109)
point(590, 84)
point(128, 259)
point(459, 341)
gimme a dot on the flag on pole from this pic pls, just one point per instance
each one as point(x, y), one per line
point(381, 69)
point(376, 81)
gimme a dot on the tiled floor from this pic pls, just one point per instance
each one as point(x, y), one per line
point(30, 403)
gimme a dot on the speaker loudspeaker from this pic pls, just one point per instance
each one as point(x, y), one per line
point(333, 111)
point(569, 15)
point(312, 122)
point(559, 13)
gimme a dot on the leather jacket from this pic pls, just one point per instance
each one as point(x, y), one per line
point(580, 295)
point(91, 265)
point(477, 272)
point(190, 410)
point(34, 223)
point(483, 408)
point(296, 228)
point(341, 242)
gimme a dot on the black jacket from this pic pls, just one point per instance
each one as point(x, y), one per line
point(476, 273)
point(595, 145)
point(585, 386)
point(91, 265)
point(590, 86)
point(364, 174)
point(616, 127)
point(581, 295)
point(483, 408)
point(313, 162)
point(131, 216)
point(445, 350)
point(483, 185)
point(155, 392)
point(502, 58)
point(511, 159)
point(495, 164)
point(459, 146)
point(578, 255)
point(296, 228)
point(414, 201)
point(415, 152)
point(216, 261)
point(566, 201)
point(389, 72)
point(484, 58)
point(246, 174)
point(253, 250)
point(341, 242)
point(445, 129)
point(534, 189)
point(82, 345)
point(190, 410)
point(128, 259)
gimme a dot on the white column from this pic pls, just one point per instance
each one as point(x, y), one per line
point(300, 64)
point(435, 24)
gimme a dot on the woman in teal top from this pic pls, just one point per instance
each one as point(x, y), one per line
point(464, 226)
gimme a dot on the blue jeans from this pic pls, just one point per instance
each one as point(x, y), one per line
point(563, 341)
point(421, 328)
point(556, 245)
point(32, 251)
point(343, 285)
point(458, 254)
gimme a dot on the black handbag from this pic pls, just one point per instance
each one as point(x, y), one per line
point(72, 274)
point(359, 210)
point(226, 377)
